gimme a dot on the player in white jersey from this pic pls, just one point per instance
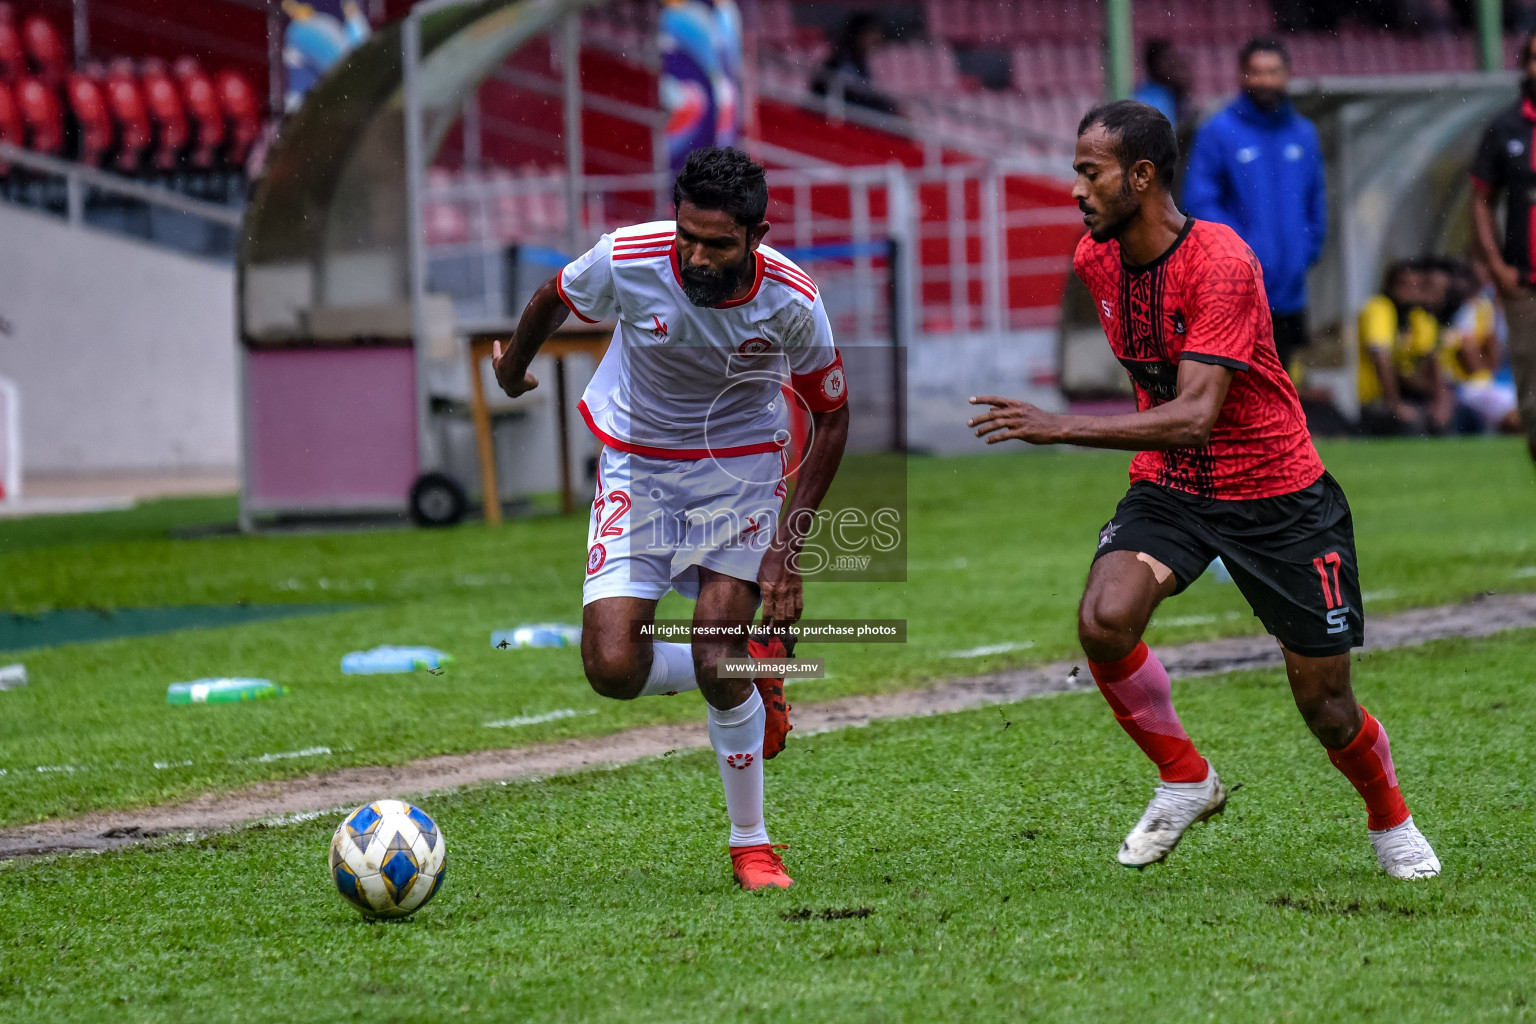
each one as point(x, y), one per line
point(690, 403)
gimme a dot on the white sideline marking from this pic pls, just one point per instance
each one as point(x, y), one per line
point(548, 716)
point(986, 649)
point(1525, 572)
point(1196, 620)
point(163, 765)
point(1378, 595)
point(289, 754)
point(68, 769)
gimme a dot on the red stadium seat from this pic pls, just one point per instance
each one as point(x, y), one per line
point(45, 50)
point(88, 103)
point(125, 102)
point(11, 128)
point(203, 110)
point(13, 59)
point(242, 114)
point(41, 113)
point(166, 114)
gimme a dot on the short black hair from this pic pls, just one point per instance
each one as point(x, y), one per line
point(1141, 133)
point(1263, 44)
point(720, 178)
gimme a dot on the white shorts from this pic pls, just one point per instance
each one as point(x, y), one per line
point(1492, 400)
point(655, 521)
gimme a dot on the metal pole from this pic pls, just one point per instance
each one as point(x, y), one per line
point(82, 32)
point(1490, 39)
point(410, 45)
point(1118, 61)
point(570, 61)
point(274, 60)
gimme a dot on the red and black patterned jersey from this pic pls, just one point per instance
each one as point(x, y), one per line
point(1204, 300)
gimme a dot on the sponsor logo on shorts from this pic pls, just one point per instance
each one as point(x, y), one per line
point(596, 556)
point(741, 762)
point(1107, 535)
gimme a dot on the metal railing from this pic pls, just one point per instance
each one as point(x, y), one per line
point(89, 197)
point(964, 245)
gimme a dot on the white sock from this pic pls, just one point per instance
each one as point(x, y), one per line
point(737, 736)
point(671, 670)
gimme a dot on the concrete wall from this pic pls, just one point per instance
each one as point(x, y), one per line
point(124, 353)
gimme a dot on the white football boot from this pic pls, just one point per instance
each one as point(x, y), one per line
point(1403, 852)
point(1175, 806)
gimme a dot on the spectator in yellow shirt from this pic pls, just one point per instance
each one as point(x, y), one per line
point(1471, 354)
point(1403, 386)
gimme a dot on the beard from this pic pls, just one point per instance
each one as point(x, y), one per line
point(1112, 219)
point(1267, 99)
point(705, 287)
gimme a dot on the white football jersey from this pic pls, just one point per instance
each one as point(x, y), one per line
point(684, 381)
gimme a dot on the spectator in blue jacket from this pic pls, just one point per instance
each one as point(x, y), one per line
point(1257, 167)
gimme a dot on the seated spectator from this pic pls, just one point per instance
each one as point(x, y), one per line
point(846, 70)
point(1472, 354)
point(1403, 386)
point(1167, 84)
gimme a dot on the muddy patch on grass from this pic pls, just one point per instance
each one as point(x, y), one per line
point(274, 802)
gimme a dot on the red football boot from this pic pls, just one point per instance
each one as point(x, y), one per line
point(759, 867)
point(771, 689)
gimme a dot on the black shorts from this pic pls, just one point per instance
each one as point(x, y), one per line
point(1293, 556)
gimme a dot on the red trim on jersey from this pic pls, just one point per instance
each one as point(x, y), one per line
point(796, 285)
point(789, 271)
point(825, 389)
point(761, 448)
point(654, 243)
point(1528, 109)
point(560, 287)
point(639, 255)
point(1481, 187)
point(757, 280)
point(631, 239)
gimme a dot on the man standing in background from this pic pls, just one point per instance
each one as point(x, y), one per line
point(1504, 165)
point(1257, 167)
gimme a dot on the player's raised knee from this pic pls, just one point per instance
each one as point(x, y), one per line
point(1108, 626)
point(615, 671)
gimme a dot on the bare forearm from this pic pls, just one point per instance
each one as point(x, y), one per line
point(817, 469)
point(1386, 373)
point(544, 313)
point(1174, 425)
point(1484, 232)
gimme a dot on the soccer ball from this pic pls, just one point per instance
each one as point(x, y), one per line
point(388, 858)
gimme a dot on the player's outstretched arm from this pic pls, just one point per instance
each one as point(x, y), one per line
point(778, 577)
point(1185, 422)
point(544, 312)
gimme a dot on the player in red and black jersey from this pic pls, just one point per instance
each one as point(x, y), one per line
point(1225, 468)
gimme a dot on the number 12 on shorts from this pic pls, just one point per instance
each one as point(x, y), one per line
point(1333, 595)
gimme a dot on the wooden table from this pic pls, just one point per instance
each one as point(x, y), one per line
point(580, 339)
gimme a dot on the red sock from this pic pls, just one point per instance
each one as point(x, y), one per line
point(1367, 764)
point(1138, 690)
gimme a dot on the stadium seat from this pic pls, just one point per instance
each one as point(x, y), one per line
point(11, 128)
point(201, 102)
point(88, 103)
point(46, 53)
point(42, 115)
point(125, 103)
point(13, 59)
point(166, 113)
point(242, 115)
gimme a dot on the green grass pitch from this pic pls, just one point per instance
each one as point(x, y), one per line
point(983, 855)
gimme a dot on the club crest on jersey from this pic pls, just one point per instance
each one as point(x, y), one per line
point(660, 330)
point(595, 558)
point(754, 346)
point(741, 762)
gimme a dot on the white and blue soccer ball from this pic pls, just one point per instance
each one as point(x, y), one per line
point(388, 858)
